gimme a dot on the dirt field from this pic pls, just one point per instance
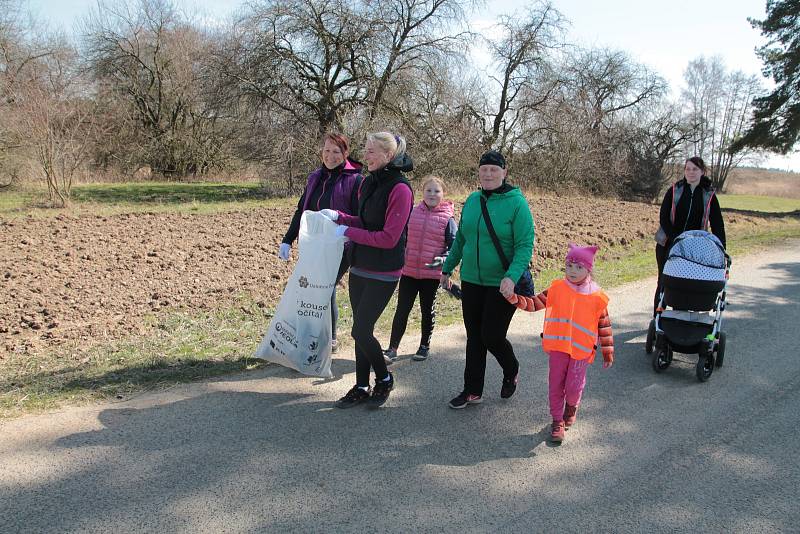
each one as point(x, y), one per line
point(90, 279)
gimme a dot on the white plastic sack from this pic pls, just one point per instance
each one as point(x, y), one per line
point(299, 336)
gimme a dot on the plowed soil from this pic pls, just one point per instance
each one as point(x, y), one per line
point(89, 279)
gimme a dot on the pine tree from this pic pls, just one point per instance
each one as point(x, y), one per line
point(776, 116)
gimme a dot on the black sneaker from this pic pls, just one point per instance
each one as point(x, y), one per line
point(380, 393)
point(464, 399)
point(509, 387)
point(421, 355)
point(390, 356)
point(353, 397)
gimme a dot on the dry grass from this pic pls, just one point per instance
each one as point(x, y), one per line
point(763, 182)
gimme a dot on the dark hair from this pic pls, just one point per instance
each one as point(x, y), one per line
point(698, 162)
point(339, 140)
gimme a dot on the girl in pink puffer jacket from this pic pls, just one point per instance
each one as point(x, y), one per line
point(431, 231)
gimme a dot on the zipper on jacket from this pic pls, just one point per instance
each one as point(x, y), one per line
point(478, 246)
point(689, 213)
point(422, 240)
point(322, 194)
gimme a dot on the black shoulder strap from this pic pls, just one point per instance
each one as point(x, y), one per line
point(493, 235)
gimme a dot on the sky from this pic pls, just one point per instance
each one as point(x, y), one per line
point(662, 35)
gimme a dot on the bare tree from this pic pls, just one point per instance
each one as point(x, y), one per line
point(656, 136)
point(582, 135)
point(308, 58)
point(522, 53)
point(54, 121)
point(739, 93)
point(604, 83)
point(436, 114)
point(703, 93)
point(719, 108)
point(149, 57)
point(23, 46)
point(412, 35)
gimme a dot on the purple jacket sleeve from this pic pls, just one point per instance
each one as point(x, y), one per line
point(401, 200)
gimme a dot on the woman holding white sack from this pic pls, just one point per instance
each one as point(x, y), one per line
point(334, 185)
point(377, 254)
point(299, 335)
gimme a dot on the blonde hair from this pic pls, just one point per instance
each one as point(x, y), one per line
point(432, 178)
point(389, 142)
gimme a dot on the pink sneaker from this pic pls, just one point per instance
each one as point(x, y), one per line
point(557, 433)
point(570, 414)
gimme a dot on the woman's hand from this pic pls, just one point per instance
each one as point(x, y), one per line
point(340, 230)
point(445, 282)
point(608, 364)
point(507, 287)
point(284, 251)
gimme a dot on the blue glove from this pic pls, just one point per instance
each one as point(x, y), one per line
point(340, 230)
point(284, 251)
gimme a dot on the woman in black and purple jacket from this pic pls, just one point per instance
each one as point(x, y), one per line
point(332, 186)
point(377, 235)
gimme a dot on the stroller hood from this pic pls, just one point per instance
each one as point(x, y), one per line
point(697, 255)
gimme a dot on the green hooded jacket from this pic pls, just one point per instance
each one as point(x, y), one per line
point(473, 247)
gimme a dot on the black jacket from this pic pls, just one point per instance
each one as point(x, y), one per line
point(373, 201)
point(689, 211)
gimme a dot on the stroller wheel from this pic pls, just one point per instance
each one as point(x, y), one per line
point(705, 366)
point(651, 337)
point(720, 349)
point(661, 359)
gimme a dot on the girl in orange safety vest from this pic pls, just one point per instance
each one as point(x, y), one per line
point(576, 320)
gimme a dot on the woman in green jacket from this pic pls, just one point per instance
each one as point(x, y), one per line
point(485, 282)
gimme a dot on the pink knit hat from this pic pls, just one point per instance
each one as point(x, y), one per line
point(582, 255)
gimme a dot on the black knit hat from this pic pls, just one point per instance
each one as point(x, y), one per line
point(493, 157)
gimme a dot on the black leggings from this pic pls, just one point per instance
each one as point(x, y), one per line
point(487, 316)
point(368, 298)
point(334, 308)
point(406, 295)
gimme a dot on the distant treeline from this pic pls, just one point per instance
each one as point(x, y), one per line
point(143, 90)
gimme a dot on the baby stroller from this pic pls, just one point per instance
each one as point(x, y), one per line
point(689, 313)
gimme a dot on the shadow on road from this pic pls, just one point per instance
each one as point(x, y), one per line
point(642, 438)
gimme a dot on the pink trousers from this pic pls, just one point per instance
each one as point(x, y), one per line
point(566, 380)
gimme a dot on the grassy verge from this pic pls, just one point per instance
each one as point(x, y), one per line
point(759, 203)
point(181, 346)
point(14, 200)
point(152, 197)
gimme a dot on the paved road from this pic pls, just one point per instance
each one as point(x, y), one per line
point(265, 451)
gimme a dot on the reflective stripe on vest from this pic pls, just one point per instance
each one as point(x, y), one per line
point(573, 323)
point(572, 342)
point(571, 320)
